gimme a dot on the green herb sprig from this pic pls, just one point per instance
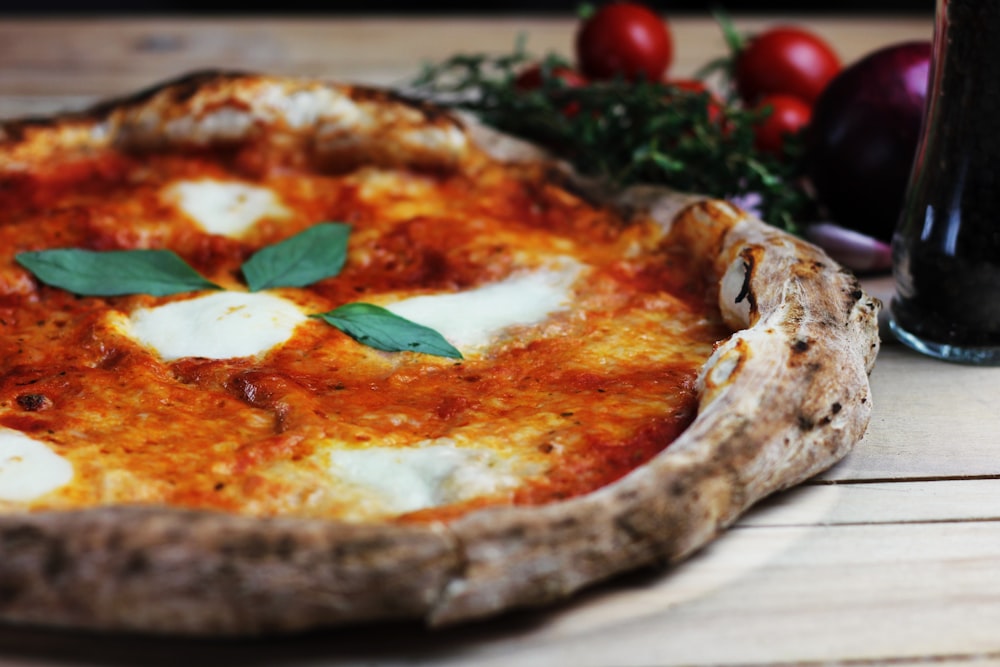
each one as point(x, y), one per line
point(315, 254)
point(114, 272)
point(628, 132)
point(310, 256)
point(381, 329)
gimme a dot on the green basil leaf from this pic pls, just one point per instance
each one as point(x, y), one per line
point(308, 257)
point(114, 272)
point(381, 329)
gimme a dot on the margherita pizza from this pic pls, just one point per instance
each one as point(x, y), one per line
point(278, 354)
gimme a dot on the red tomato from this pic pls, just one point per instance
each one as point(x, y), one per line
point(530, 78)
point(624, 39)
point(785, 61)
point(788, 116)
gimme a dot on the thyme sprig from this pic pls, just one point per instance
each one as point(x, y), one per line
point(628, 132)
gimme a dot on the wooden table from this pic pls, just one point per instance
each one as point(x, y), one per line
point(892, 556)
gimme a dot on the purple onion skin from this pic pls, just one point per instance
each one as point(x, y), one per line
point(863, 136)
point(852, 249)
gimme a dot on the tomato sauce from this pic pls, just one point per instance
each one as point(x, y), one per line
point(584, 398)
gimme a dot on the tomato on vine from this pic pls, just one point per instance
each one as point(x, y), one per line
point(631, 122)
point(788, 115)
point(624, 39)
point(784, 61)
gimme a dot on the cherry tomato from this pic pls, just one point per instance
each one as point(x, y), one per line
point(530, 78)
point(624, 39)
point(785, 61)
point(789, 115)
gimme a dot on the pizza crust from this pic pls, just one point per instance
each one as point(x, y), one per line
point(785, 397)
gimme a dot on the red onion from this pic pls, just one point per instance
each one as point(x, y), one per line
point(863, 136)
point(856, 251)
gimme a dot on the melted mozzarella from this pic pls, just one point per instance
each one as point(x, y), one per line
point(228, 208)
point(396, 480)
point(28, 468)
point(220, 325)
point(472, 319)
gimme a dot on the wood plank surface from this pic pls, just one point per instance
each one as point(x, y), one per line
point(931, 420)
point(759, 595)
point(56, 58)
point(891, 557)
point(869, 503)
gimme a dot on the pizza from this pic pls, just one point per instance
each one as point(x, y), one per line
point(280, 353)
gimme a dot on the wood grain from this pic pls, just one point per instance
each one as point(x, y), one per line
point(77, 59)
point(932, 420)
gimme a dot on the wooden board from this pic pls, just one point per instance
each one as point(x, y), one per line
point(66, 62)
point(759, 595)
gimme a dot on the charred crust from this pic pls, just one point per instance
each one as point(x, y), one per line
point(33, 402)
point(57, 560)
point(745, 292)
point(285, 547)
point(249, 547)
point(136, 564)
point(181, 89)
point(625, 524)
point(10, 591)
point(432, 113)
point(807, 269)
point(710, 209)
point(19, 538)
point(13, 132)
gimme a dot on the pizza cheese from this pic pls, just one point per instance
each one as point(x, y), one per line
point(581, 335)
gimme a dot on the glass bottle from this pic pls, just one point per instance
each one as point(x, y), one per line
point(946, 249)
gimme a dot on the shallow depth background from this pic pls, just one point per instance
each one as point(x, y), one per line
point(14, 7)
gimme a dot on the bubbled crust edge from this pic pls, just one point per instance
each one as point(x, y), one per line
point(305, 121)
point(784, 398)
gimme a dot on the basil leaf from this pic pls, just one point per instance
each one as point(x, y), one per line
point(114, 272)
point(381, 329)
point(308, 257)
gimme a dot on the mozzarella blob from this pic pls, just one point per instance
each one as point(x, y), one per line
point(472, 319)
point(224, 325)
point(228, 208)
point(220, 325)
point(28, 468)
point(394, 480)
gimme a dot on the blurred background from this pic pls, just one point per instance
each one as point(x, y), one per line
point(14, 7)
